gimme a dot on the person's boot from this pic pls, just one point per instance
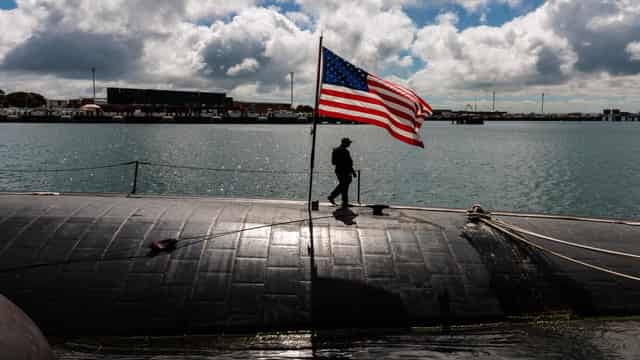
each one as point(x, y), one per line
point(331, 201)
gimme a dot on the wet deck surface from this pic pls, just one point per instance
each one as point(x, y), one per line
point(233, 271)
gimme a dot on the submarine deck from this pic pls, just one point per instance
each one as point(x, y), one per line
point(82, 263)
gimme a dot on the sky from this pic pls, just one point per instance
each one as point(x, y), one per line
point(583, 54)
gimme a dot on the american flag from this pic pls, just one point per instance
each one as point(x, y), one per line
point(351, 93)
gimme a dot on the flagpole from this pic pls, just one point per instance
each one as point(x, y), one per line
point(315, 125)
point(311, 248)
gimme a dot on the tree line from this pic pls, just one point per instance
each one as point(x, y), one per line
point(21, 99)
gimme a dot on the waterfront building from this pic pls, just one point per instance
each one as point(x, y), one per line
point(617, 115)
point(57, 104)
point(151, 97)
point(260, 107)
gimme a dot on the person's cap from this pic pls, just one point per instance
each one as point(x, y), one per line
point(346, 141)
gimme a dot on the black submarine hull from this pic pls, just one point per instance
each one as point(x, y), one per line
point(109, 265)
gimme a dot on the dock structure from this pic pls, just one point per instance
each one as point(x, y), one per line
point(134, 265)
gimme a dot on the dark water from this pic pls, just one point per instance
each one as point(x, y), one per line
point(587, 339)
point(570, 168)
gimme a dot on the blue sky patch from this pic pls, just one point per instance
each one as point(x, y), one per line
point(495, 14)
point(7, 4)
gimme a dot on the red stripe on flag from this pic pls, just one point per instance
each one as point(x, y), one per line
point(390, 99)
point(350, 96)
point(372, 122)
point(400, 90)
point(407, 103)
point(368, 99)
point(371, 111)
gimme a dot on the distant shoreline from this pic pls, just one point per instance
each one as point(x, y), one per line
point(253, 121)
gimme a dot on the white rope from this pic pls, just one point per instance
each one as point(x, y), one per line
point(539, 247)
point(523, 215)
point(567, 217)
point(549, 238)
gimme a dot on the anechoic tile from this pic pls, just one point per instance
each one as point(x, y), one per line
point(431, 240)
point(68, 234)
point(46, 224)
point(247, 298)
point(321, 243)
point(189, 250)
point(379, 266)
point(124, 246)
point(406, 252)
point(282, 281)
point(249, 271)
point(282, 310)
point(323, 268)
point(344, 237)
point(374, 241)
point(348, 273)
point(440, 263)
point(207, 316)
point(217, 261)
point(212, 287)
point(133, 230)
point(96, 239)
point(110, 274)
point(224, 235)
point(253, 247)
point(285, 237)
point(415, 274)
point(142, 286)
point(181, 272)
point(194, 229)
point(156, 264)
point(256, 230)
point(346, 255)
point(465, 253)
point(283, 256)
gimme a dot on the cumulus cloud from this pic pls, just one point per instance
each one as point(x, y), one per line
point(540, 48)
point(248, 48)
point(301, 19)
point(258, 45)
point(68, 37)
point(369, 32)
point(73, 54)
point(211, 9)
point(633, 49)
point(520, 53)
point(476, 5)
point(15, 27)
point(248, 65)
point(599, 32)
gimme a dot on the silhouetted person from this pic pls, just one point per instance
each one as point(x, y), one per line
point(344, 170)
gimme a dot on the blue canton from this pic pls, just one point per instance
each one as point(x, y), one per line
point(337, 71)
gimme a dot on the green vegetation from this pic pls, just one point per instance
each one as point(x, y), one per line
point(25, 99)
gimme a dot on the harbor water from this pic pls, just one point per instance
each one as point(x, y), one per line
point(548, 340)
point(587, 168)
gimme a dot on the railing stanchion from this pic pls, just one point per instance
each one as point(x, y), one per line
point(135, 177)
point(359, 177)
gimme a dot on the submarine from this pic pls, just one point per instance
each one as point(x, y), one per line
point(122, 265)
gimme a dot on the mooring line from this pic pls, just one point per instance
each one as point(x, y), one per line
point(516, 236)
point(568, 243)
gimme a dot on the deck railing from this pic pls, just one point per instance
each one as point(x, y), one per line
point(137, 165)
